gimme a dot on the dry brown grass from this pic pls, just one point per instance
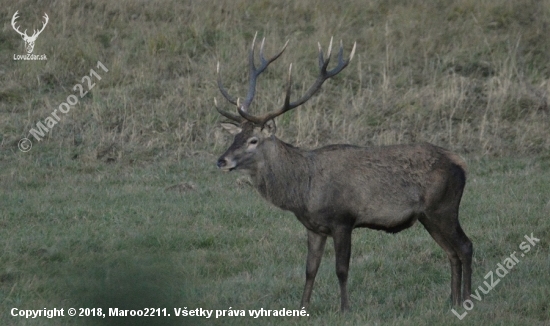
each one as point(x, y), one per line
point(471, 76)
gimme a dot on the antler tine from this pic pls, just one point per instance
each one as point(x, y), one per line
point(251, 65)
point(261, 120)
point(262, 58)
point(341, 63)
point(288, 87)
point(222, 89)
point(228, 97)
point(323, 75)
point(266, 62)
point(254, 72)
point(329, 49)
point(322, 63)
point(352, 51)
point(230, 116)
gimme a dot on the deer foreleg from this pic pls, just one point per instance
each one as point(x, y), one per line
point(315, 248)
point(342, 249)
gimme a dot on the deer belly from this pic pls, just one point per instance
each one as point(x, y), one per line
point(318, 223)
point(391, 221)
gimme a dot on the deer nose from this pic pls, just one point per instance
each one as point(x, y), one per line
point(222, 162)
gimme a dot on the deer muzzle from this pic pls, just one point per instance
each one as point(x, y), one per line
point(225, 164)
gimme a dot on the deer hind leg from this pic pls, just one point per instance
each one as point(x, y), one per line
point(464, 248)
point(458, 247)
point(315, 248)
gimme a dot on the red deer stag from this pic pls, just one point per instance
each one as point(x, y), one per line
point(337, 188)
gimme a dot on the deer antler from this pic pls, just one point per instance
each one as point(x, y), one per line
point(324, 74)
point(253, 75)
point(230, 116)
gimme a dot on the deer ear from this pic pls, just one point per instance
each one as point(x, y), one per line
point(269, 128)
point(233, 129)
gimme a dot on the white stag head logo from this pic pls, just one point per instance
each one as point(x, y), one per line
point(29, 40)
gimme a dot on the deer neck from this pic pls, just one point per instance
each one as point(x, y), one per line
point(282, 175)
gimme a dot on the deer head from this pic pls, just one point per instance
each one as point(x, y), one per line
point(29, 40)
point(252, 131)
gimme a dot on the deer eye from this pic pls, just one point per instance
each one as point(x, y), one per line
point(253, 141)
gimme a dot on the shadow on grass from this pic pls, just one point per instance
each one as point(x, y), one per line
point(133, 284)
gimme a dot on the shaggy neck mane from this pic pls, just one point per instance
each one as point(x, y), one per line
point(282, 176)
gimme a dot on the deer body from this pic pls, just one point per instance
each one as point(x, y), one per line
point(344, 184)
point(337, 188)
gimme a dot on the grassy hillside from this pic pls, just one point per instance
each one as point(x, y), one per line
point(468, 75)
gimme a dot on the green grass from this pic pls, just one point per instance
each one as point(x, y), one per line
point(122, 236)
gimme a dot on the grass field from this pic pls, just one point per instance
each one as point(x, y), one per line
point(133, 237)
point(120, 204)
